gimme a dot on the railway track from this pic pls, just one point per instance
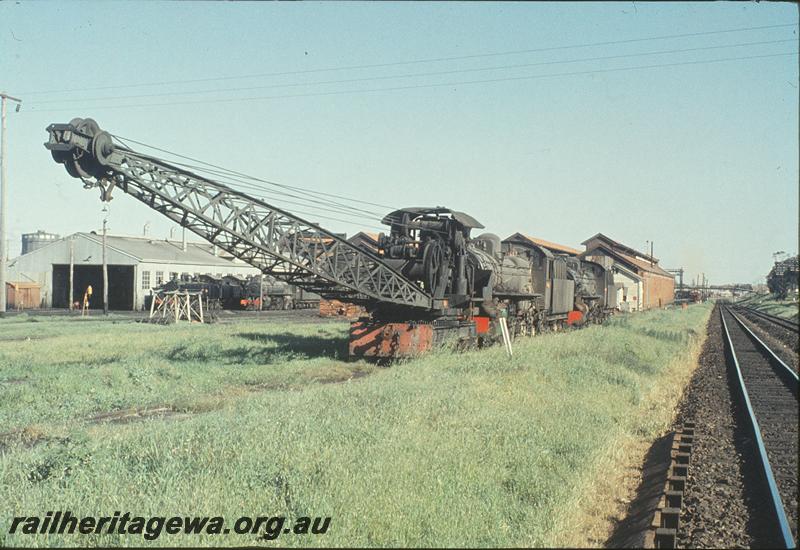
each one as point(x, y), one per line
point(774, 319)
point(768, 390)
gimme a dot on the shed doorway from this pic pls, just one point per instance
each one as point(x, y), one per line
point(120, 286)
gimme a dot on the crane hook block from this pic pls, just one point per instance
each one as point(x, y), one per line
point(82, 147)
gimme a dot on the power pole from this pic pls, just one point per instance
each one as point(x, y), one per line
point(4, 198)
point(105, 265)
point(71, 271)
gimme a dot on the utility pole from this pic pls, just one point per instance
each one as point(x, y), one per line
point(71, 271)
point(105, 265)
point(4, 197)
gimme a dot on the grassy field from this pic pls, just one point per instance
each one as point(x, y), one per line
point(253, 418)
point(767, 303)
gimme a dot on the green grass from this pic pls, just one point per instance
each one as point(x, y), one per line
point(788, 308)
point(451, 449)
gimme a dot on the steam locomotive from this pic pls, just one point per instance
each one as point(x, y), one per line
point(235, 293)
point(475, 282)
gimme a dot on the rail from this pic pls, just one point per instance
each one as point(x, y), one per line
point(776, 502)
point(774, 319)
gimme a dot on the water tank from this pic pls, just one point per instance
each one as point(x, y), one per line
point(32, 241)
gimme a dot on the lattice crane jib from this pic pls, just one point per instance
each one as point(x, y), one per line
point(275, 241)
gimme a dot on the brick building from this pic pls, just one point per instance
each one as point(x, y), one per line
point(655, 286)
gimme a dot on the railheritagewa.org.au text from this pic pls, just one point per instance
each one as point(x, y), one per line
point(152, 527)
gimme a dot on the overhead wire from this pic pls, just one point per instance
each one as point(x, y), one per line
point(260, 188)
point(423, 86)
point(238, 185)
point(235, 185)
point(234, 180)
point(253, 178)
point(411, 62)
point(252, 182)
point(413, 75)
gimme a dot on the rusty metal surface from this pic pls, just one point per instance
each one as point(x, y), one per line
point(389, 340)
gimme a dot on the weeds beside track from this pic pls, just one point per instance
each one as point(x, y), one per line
point(448, 449)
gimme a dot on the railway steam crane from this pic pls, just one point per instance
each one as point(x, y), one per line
point(419, 292)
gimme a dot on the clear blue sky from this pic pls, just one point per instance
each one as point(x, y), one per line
point(700, 158)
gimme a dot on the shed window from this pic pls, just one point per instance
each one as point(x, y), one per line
point(159, 278)
point(145, 280)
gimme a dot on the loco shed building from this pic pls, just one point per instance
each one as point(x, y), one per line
point(135, 265)
point(641, 283)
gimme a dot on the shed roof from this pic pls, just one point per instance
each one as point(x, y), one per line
point(364, 235)
point(544, 244)
point(156, 250)
point(616, 245)
point(636, 263)
point(145, 249)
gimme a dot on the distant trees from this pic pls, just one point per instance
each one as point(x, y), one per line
point(784, 277)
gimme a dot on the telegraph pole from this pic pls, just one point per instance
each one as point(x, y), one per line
point(3, 198)
point(71, 271)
